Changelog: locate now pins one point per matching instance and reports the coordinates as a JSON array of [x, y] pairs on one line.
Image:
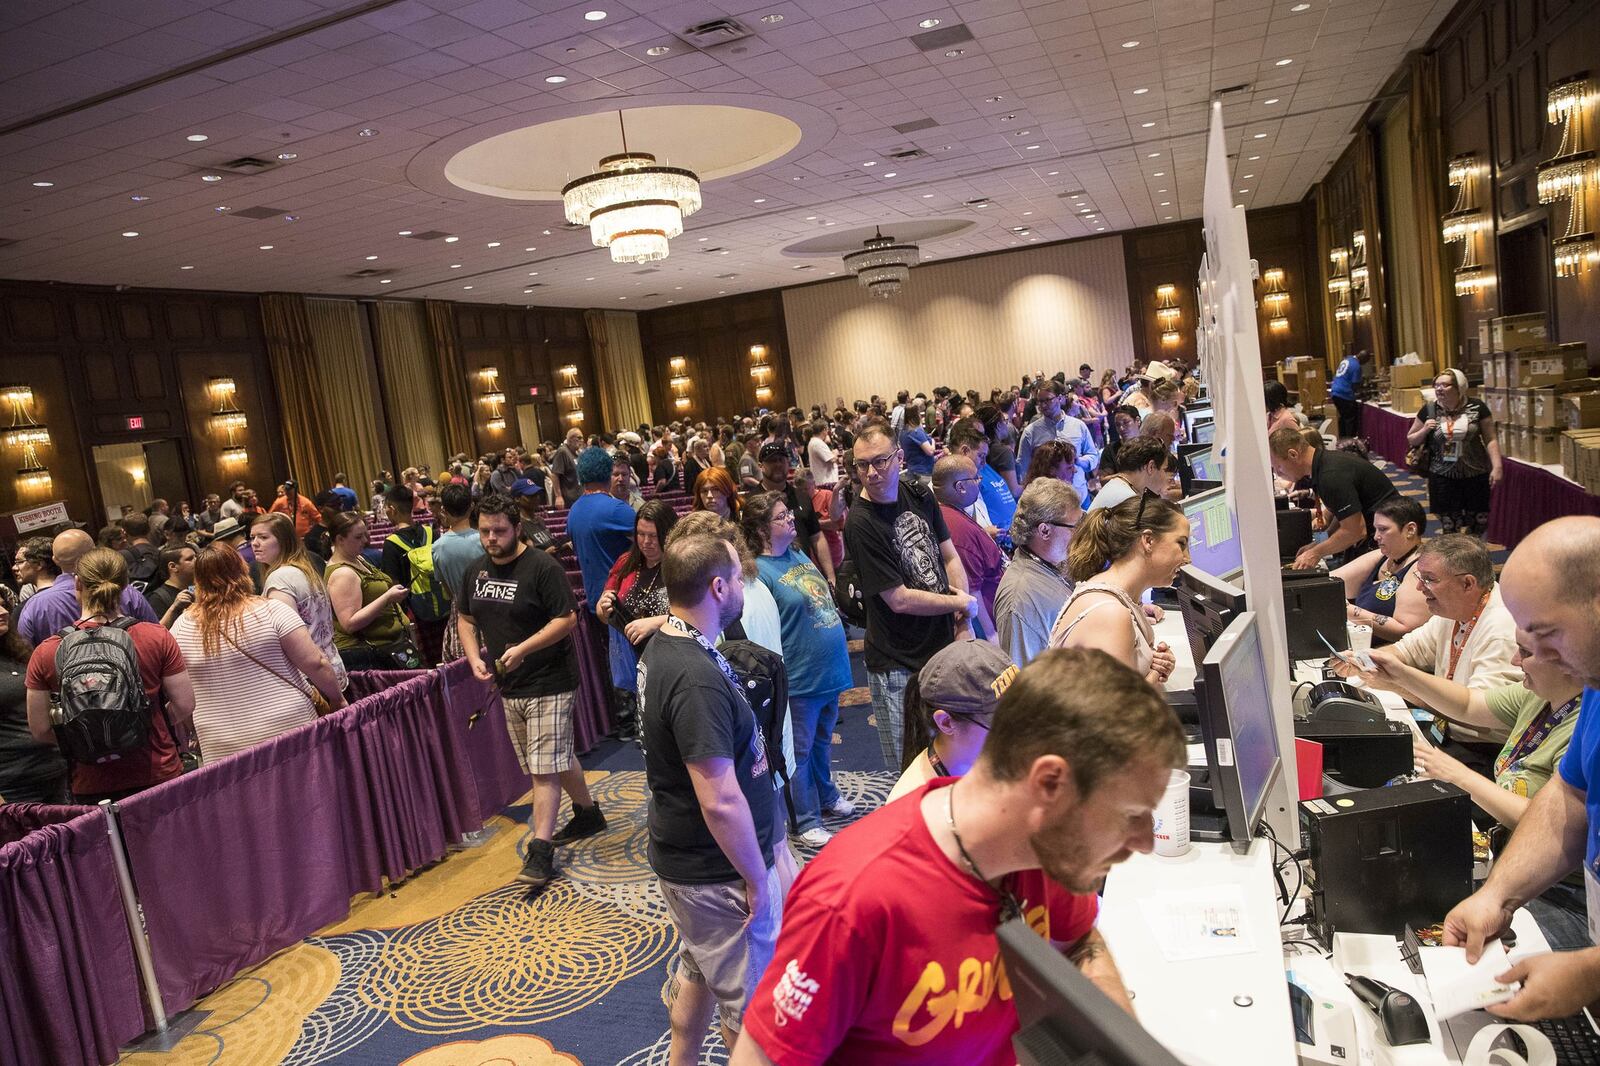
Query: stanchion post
[[135, 917]]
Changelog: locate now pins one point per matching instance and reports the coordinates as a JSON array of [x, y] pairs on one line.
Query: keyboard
[[1574, 1038]]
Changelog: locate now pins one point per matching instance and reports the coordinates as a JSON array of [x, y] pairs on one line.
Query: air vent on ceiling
[[977, 201], [429, 235], [708, 251], [648, 270], [943, 37], [714, 33], [535, 285], [1071, 193], [908, 153], [1242, 87], [249, 165], [369, 272], [725, 277], [259, 212], [914, 125], [6, 242], [649, 295], [806, 266]]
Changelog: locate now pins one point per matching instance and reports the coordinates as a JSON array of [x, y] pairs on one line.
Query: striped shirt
[[237, 704]]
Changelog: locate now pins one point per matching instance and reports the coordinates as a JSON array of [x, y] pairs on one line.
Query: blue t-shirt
[[346, 497], [997, 498], [1581, 763], [1347, 378], [911, 442], [601, 529], [814, 651], [453, 552]]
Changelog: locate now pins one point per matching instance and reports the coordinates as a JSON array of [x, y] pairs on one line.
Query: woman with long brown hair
[[250, 658], [289, 576]]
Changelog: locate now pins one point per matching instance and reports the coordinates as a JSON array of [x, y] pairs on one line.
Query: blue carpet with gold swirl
[[459, 966]]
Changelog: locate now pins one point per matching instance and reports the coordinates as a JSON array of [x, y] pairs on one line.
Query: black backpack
[[100, 710], [766, 687], [847, 594]]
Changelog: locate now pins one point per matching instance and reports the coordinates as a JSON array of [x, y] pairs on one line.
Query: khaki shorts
[[721, 946], [541, 731]]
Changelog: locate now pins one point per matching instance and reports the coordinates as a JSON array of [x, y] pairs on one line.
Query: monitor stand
[[1207, 820]]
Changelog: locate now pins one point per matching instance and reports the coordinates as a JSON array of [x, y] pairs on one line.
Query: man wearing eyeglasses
[[1470, 640], [912, 580], [956, 484]]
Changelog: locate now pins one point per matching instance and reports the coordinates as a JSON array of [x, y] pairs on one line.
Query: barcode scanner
[[1399, 1012]]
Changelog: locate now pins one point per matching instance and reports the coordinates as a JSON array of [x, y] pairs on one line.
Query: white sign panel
[[50, 514]]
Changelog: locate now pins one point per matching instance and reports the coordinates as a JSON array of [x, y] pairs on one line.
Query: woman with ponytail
[[1117, 555]]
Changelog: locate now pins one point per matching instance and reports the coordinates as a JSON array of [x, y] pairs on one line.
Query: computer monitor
[[1204, 432], [1237, 728], [1206, 464], [1208, 605], [1193, 416], [1062, 1018], [1214, 544]]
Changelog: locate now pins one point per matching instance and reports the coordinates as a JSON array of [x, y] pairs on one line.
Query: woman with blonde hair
[[289, 576], [250, 658], [1117, 555]]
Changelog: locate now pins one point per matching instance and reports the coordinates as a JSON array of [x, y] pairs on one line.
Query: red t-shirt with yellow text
[[888, 953]]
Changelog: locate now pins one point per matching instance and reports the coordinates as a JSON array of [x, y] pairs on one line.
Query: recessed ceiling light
[[130, 233], [405, 233], [138, 198], [291, 218], [1051, 173], [1140, 92], [588, 279], [993, 99], [829, 222], [466, 286], [265, 247], [545, 232], [44, 185], [1249, 175], [891, 174], [1007, 118], [220, 208], [1029, 147], [1261, 136], [760, 200], [1301, 7], [657, 50], [770, 19], [1166, 203], [367, 131], [1271, 101], [533, 273], [211, 177], [455, 266], [1146, 125], [492, 244], [1153, 155], [1025, 214], [955, 52], [927, 196], [1168, 217], [526, 291], [286, 156], [530, 249], [1159, 174], [809, 218], [1244, 190], [593, 16], [1087, 211], [928, 24], [1099, 229], [186, 268], [197, 137], [1254, 158], [451, 240], [797, 177], [1130, 44], [386, 281], [1238, 205], [555, 79], [370, 258], [1283, 62], [1161, 190], [869, 163]]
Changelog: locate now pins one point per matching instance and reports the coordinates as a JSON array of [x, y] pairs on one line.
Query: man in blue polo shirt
[[1551, 586]]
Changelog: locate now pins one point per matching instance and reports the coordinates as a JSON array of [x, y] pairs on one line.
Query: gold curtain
[[1332, 335], [450, 379], [1436, 285], [410, 396], [619, 368], [347, 393], [1401, 246], [294, 375], [1367, 175]]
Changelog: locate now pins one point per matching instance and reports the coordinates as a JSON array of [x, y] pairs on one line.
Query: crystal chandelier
[[882, 266], [1568, 176], [631, 205]]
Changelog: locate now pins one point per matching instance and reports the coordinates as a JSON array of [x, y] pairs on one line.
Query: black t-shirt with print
[[898, 544], [510, 602], [689, 712]]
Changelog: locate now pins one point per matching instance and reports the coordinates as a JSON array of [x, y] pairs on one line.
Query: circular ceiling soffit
[[530, 157], [917, 232]]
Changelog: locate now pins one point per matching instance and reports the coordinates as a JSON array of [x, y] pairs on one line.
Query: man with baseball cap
[[774, 461], [1061, 793], [948, 718]]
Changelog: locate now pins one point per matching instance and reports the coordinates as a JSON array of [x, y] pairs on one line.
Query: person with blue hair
[[600, 527]]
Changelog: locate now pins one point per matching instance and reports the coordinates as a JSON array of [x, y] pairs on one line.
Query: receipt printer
[[1338, 701], [1360, 746], [1385, 858]]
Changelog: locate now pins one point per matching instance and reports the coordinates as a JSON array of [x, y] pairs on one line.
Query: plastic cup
[[1360, 638], [1172, 816]]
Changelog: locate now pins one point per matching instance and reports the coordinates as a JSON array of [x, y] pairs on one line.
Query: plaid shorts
[[541, 731]]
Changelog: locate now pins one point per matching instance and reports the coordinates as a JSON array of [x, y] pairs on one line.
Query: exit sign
[[136, 422], [533, 390]]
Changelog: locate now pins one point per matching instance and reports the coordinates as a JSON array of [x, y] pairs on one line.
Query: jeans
[[888, 691], [1562, 916], [811, 785]]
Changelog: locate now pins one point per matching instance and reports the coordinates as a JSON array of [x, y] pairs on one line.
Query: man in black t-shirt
[[911, 578], [712, 821], [775, 469], [173, 596], [520, 602], [1348, 486]]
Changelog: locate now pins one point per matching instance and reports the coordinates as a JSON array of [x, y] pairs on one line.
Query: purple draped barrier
[[70, 990], [479, 719], [1386, 432], [592, 716], [364, 683], [1528, 496]]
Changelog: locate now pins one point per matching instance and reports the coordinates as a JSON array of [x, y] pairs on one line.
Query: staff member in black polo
[[774, 462], [1348, 485]]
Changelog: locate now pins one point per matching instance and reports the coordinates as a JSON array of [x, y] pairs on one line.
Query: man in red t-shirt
[[888, 954], [955, 483]]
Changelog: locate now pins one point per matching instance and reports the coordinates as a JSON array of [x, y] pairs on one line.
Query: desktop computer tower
[[1361, 754], [1294, 532], [1313, 603], [1380, 860]]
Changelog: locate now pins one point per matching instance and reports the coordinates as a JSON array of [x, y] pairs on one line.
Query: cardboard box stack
[[1406, 384], [1580, 457], [1530, 385], [1307, 377]]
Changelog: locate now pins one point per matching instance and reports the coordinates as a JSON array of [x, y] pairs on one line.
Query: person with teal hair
[[600, 527]]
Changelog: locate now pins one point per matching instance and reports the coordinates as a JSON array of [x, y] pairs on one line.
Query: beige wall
[[978, 323]]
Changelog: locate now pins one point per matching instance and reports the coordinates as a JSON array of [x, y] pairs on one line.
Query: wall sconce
[[758, 352], [1364, 308], [229, 421], [1166, 294], [763, 393], [488, 375], [1275, 302], [1568, 175], [1461, 168], [679, 382], [1341, 313], [1471, 280], [1168, 314], [28, 436], [1275, 299], [1170, 337], [493, 398], [226, 418], [235, 455], [1168, 317], [1272, 278], [1278, 325], [677, 363], [681, 403], [759, 371], [221, 389], [569, 372], [137, 473], [574, 392], [496, 424], [575, 416], [1461, 224], [1339, 259]]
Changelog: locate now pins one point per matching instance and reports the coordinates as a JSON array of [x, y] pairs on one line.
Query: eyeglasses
[[880, 464], [1428, 582]]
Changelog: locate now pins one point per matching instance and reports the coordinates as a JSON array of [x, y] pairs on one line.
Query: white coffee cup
[[1360, 637], [1172, 816]]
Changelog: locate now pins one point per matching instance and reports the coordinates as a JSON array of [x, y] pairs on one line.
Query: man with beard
[[1061, 793], [1551, 586], [520, 602], [712, 820]]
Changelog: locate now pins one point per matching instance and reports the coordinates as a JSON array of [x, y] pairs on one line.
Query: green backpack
[[427, 598]]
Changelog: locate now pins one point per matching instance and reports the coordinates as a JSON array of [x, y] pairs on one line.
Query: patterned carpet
[[461, 967]]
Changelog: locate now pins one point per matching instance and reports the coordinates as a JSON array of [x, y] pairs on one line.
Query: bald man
[[956, 484], [1551, 586], [53, 609]]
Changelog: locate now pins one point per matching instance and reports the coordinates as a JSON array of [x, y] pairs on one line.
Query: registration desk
[[1226, 1009]]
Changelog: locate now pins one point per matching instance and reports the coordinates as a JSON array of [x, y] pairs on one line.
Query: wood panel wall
[[96, 357], [714, 337], [528, 346], [1497, 59]]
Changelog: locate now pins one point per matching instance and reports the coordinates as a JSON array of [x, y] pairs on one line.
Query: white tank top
[[1143, 637]]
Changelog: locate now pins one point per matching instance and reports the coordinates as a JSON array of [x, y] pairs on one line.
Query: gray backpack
[[100, 711]]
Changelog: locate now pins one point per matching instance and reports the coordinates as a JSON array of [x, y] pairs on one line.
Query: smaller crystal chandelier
[[882, 266], [632, 205], [1568, 176]]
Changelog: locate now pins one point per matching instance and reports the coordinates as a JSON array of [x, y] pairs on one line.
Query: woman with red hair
[[249, 658], [714, 490]]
